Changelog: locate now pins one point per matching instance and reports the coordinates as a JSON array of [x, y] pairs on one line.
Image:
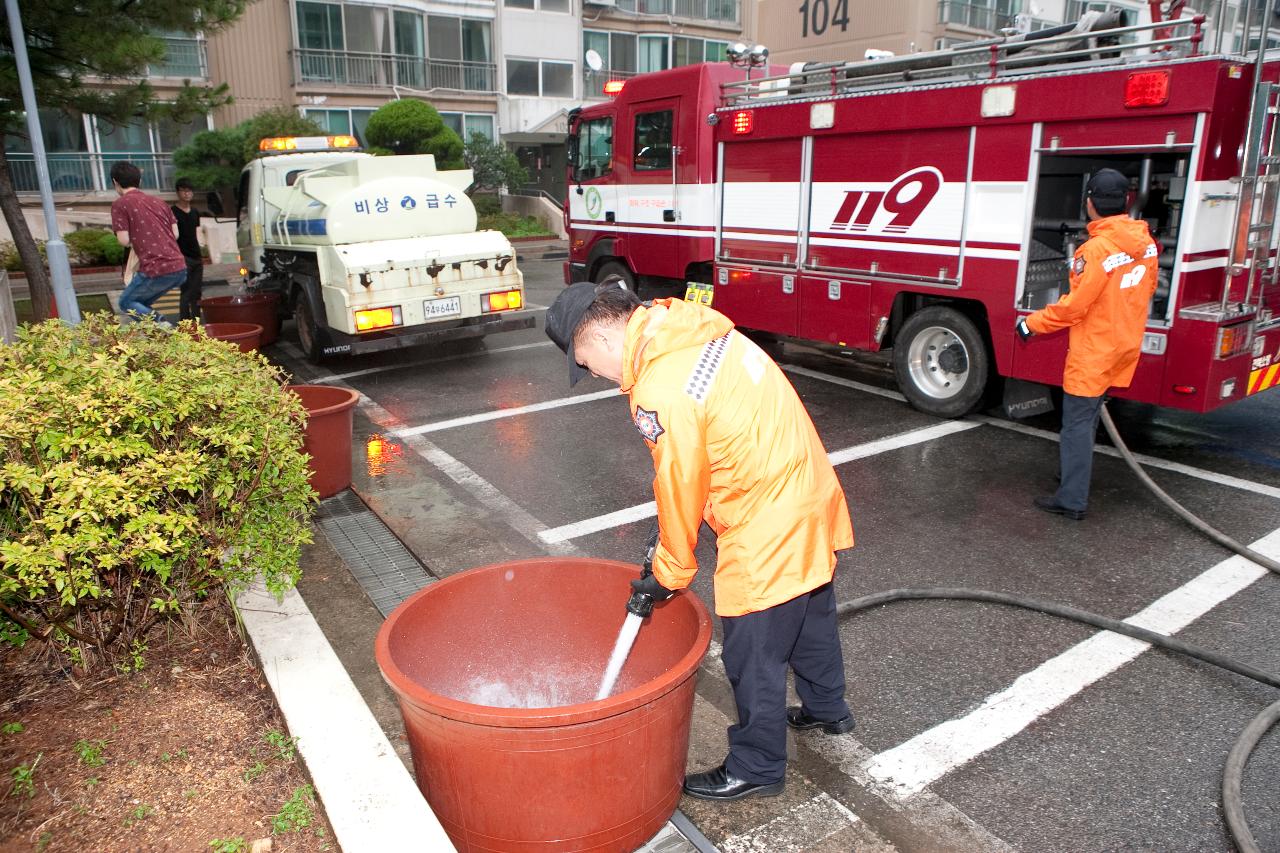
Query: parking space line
[[339, 377], [930, 755], [497, 414], [639, 512], [802, 826], [475, 485], [1149, 461]]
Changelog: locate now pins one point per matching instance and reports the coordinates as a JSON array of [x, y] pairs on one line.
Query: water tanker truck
[[373, 253]]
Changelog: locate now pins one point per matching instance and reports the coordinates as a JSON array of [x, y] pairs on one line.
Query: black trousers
[[1075, 450], [801, 633], [189, 296]]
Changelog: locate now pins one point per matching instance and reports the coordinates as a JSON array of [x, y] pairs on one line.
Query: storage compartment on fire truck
[[1059, 227]]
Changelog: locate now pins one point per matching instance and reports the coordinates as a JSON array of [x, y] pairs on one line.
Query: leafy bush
[[94, 247], [213, 158], [408, 126], [513, 225], [10, 258], [486, 204], [143, 469], [493, 163]]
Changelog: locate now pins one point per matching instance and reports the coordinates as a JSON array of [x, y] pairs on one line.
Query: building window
[[545, 78], [690, 51], [595, 148], [467, 124], [320, 25], [544, 5], [653, 53], [342, 121]]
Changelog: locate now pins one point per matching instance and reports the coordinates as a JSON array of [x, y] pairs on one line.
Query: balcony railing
[[384, 70], [88, 172], [185, 58], [716, 11], [593, 85], [978, 16]]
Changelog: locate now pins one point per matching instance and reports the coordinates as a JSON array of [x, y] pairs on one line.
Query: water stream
[[622, 648]]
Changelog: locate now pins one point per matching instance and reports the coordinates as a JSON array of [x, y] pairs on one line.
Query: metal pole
[[64, 294]]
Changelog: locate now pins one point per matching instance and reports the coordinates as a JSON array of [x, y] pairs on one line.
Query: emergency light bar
[[276, 144], [613, 87]]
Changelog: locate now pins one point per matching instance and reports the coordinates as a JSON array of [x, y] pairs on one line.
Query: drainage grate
[[384, 568]]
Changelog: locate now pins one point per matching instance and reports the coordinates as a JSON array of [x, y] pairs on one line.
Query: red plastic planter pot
[[259, 308], [247, 336], [584, 775], [328, 435]]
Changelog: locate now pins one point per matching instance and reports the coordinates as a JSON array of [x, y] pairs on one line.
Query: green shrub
[[513, 225], [143, 469], [410, 126], [11, 259], [486, 204], [94, 247]]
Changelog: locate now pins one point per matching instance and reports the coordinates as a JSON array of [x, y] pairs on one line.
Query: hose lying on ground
[[1232, 804]]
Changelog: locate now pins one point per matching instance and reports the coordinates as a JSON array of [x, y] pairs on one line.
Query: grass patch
[[90, 303], [513, 225]]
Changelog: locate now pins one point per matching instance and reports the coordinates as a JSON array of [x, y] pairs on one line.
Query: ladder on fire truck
[[1096, 40], [1259, 181]]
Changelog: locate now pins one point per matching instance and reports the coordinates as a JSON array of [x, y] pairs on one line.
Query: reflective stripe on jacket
[[732, 445], [1113, 276]]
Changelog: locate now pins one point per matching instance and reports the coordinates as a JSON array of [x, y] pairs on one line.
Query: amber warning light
[[613, 87], [1147, 89], [273, 144], [743, 121], [503, 300], [369, 319]]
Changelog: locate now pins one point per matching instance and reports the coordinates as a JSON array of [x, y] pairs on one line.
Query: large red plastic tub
[[328, 435], [567, 773], [260, 308], [247, 336]]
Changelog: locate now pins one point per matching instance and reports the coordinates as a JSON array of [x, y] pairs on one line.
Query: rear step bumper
[[341, 343]]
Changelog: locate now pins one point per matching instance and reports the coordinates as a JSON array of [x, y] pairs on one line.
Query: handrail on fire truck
[[1003, 57]]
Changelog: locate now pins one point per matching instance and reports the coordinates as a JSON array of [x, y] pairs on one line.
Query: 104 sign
[[817, 15]]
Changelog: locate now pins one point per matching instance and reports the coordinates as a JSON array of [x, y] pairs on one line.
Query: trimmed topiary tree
[[407, 126], [143, 470]]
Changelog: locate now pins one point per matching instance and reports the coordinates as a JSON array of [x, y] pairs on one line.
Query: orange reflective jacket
[[732, 445], [1113, 276]]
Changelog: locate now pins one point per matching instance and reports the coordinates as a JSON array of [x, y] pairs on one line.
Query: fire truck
[[921, 204]]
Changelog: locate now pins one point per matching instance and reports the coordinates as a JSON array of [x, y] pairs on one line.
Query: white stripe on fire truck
[[920, 249], [911, 766]]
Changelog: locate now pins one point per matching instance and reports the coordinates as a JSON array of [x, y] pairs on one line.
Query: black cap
[[1109, 190], [563, 318]]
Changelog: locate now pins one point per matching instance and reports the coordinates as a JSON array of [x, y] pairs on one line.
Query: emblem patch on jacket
[[647, 423], [1077, 266]]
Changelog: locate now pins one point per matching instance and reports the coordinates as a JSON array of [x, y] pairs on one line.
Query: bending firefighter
[[1113, 276], [732, 446]]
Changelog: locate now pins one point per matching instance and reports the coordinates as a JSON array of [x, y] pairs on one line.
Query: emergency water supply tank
[[370, 199]]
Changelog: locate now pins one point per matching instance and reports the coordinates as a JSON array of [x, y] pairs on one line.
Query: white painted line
[[640, 512], [497, 414], [631, 514], [927, 757], [802, 827], [840, 380], [1149, 461], [339, 377], [371, 801]]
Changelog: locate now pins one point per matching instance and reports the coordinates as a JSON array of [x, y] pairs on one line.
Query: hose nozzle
[[640, 603]]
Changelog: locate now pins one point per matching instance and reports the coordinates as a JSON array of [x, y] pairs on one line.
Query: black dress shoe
[[1050, 505], [720, 784], [799, 720]]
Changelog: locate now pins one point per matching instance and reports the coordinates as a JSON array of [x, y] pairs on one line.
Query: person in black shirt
[[188, 226]]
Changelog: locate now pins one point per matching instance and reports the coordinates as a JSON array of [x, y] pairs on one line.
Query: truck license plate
[[447, 307]]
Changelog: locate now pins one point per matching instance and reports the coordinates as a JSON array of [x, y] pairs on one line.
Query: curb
[[369, 797]]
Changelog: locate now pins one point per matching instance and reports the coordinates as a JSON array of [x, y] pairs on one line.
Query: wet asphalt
[[1131, 762]]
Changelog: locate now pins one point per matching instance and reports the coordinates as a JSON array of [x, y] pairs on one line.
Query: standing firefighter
[[732, 446], [1113, 276]]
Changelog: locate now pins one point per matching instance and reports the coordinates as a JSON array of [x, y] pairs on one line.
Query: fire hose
[[1232, 804]]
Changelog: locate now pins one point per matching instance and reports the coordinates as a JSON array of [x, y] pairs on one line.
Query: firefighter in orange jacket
[[733, 446], [1113, 276]]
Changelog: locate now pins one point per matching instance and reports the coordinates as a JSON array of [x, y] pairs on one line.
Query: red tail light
[[613, 87], [1147, 89], [743, 121]]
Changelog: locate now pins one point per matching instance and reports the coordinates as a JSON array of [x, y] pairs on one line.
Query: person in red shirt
[[146, 225]]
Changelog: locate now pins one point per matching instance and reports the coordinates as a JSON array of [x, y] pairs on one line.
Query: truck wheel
[[619, 269], [941, 362], [306, 324]]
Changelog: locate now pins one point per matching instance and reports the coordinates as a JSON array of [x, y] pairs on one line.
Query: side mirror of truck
[[214, 201]]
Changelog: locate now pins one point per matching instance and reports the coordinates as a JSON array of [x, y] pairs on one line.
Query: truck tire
[[941, 362], [619, 269], [308, 339]]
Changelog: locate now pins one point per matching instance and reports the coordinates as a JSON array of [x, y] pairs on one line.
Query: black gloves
[[1023, 330], [646, 590]]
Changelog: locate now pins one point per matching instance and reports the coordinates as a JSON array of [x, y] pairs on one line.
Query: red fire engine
[[924, 202]]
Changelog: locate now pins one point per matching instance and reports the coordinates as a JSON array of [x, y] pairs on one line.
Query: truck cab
[[372, 253]]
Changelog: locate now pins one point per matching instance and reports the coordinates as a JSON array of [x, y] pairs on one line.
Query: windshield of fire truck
[[595, 148]]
